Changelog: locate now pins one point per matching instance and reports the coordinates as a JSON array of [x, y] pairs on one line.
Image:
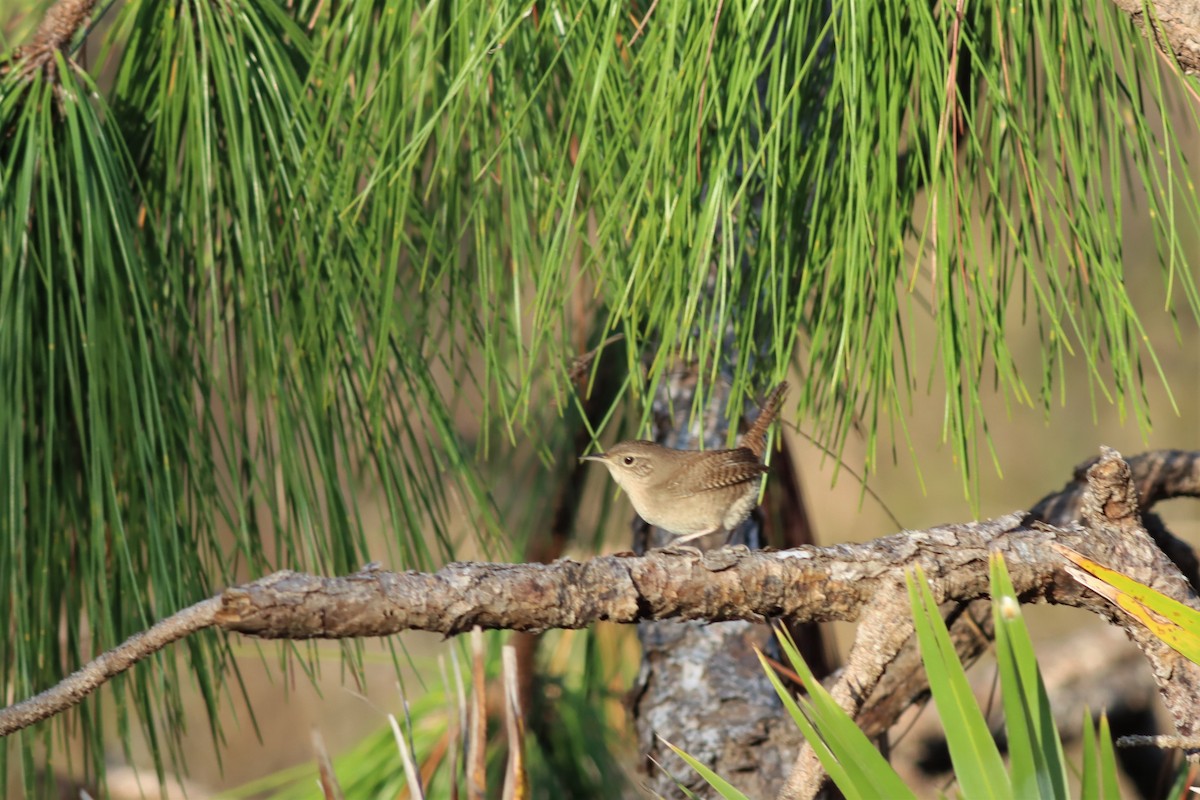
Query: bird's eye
[[628, 460]]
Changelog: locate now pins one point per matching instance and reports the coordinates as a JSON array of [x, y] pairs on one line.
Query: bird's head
[[633, 465]]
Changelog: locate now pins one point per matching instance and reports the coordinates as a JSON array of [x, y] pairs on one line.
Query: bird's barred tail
[[756, 437]]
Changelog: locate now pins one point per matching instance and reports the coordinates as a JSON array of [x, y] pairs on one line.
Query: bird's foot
[[680, 546], [676, 549]]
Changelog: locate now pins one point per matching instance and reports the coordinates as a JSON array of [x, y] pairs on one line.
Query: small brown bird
[[691, 493]]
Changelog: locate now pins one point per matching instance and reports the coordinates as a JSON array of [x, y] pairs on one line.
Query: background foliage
[[258, 254]]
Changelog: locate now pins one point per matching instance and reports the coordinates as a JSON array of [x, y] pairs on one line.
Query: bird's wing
[[716, 469]]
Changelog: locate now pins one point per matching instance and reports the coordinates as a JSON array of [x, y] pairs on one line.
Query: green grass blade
[[978, 765], [723, 787], [1108, 761], [1035, 748], [852, 760]]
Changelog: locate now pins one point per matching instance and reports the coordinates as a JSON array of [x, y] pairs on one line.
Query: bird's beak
[[593, 457]]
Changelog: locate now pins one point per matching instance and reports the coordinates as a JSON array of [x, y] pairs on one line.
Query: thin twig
[[71, 690], [1176, 68], [862, 481], [1169, 742], [642, 24], [583, 363]]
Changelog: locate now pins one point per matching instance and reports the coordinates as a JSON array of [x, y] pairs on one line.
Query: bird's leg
[[691, 537], [680, 546]]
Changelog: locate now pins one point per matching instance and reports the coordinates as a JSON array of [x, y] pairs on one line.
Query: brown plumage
[[756, 438], [691, 493]]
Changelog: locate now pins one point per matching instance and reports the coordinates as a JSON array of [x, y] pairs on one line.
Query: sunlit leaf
[[1178, 625]]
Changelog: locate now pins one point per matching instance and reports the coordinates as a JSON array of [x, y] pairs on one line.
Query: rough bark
[[1174, 25]]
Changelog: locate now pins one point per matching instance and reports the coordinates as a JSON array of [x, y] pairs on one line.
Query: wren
[[692, 493]]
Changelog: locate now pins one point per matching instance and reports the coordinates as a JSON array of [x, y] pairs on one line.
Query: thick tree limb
[[808, 583], [701, 685]]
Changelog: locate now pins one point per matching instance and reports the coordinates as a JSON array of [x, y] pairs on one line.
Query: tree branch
[[71, 690], [806, 583]]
